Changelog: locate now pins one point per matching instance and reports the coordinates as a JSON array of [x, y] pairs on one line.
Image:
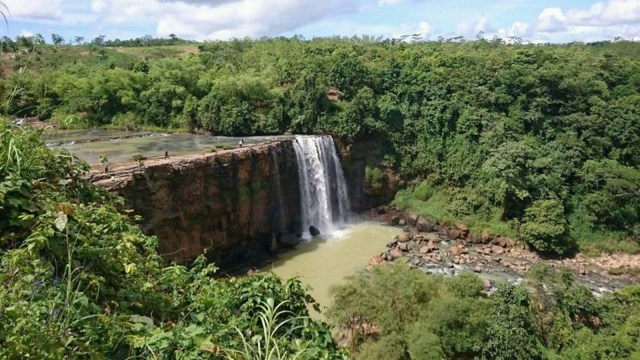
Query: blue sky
[[535, 21]]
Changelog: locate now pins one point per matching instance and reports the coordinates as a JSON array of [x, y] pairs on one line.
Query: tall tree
[[57, 39]]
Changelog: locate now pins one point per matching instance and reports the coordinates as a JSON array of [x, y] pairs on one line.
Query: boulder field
[[449, 249]]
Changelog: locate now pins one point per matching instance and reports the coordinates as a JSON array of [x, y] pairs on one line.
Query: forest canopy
[[538, 140]]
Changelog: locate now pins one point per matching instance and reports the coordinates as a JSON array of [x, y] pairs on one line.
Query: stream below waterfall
[[324, 261]]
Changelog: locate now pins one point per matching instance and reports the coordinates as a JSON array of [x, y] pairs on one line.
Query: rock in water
[[289, 240], [314, 231]]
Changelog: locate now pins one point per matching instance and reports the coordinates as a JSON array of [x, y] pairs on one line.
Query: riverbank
[[450, 249]]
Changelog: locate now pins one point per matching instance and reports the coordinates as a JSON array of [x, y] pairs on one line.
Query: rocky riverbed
[[437, 248]]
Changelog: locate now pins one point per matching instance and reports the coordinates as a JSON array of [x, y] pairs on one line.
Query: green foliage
[[511, 330], [611, 194], [549, 317], [277, 325], [545, 227], [138, 157], [424, 191], [492, 127], [81, 280], [416, 314], [374, 177]]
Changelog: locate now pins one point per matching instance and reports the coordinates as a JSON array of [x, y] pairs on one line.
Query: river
[[322, 262], [119, 146]]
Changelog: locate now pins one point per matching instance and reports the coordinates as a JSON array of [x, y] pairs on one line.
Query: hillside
[[538, 141]]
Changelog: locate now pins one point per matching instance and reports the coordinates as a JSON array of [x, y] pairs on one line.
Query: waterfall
[[323, 189], [276, 179]]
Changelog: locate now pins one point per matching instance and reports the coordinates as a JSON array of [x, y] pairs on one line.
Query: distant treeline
[[29, 42]]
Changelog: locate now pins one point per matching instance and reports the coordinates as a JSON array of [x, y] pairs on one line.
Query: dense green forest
[[399, 314], [536, 141], [79, 280]]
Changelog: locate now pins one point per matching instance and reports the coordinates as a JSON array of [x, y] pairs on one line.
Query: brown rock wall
[[226, 202]]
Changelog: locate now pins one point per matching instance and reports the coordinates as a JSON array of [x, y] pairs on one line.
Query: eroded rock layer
[[226, 201]]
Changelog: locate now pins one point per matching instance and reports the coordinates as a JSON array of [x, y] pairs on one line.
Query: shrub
[[374, 177], [69, 121], [126, 121], [512, 335], [424, 191], [450, 313], [138, 157], [545, 227]]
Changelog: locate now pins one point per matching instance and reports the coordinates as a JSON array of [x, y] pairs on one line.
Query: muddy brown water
[[325, 261]]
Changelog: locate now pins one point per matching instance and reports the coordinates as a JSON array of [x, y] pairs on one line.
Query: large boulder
[[497, 249], [428, 248], [412, 219], [424, 225], [395, 253], [453, 233], [464, 229], [314, 231], [289, 240], [485, 237], [458, 250], [404, 237], [376, 260]]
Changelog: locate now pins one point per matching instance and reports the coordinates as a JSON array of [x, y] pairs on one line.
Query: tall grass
[[271, 343]]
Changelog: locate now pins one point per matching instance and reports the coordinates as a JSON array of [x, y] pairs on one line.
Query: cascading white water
[[323, 190]]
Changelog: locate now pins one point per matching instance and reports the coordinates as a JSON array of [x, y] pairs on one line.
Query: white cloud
[[600, 21], [471, 29], [517, 30], [222, 19], [26, 33], [551, 20], [347, 28], [34, 9], [389, 2], [614, 12]]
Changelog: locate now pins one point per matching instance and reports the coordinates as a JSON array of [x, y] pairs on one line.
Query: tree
[[512, 335], [57, 39], [98, 40], [545, 227], [506, 170], [39, 39], [78, 40], [25, 41]]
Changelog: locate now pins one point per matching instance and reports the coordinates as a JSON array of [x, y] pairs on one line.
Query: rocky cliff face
[[355, 159], [226, 201]]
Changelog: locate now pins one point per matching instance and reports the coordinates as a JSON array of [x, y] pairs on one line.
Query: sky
[[532, 21]]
